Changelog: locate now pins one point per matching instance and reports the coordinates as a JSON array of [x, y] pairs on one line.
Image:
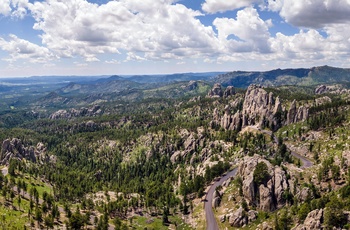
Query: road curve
[[306, 163], [211, 221], [210, 218]]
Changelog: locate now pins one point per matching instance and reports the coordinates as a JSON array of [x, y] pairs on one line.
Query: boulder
[[312, 221], [252, 215], [216, 202], [222, 218], [266, 226], [238, 218]]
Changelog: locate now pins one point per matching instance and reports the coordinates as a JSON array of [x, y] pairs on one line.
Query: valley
[[238, 150]]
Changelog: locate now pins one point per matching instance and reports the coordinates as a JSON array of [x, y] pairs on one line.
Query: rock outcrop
[[216, 202], [83, 112], [229, 91], [270, 194], [259, 108], [16, 149], [312, 221], [323, 100], [241, 217], [238, 218], [192, 85], [216, 91], [331, 89], [321, 89], [296, 114]]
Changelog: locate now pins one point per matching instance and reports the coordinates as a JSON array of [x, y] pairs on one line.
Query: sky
[[125, 37]]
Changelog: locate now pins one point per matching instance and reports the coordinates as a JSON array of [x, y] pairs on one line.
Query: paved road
[[306, 163], [211, 222], [210, 218]]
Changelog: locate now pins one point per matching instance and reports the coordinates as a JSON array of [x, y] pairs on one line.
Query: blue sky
[[52, 37]]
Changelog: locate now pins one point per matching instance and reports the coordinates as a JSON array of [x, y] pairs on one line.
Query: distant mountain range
[[54, 91], [304, 77]]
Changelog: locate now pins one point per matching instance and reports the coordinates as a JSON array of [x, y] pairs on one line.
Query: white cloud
[[19, 8], [113, 61], [22, 49], [315, 13], [251, 32], [5, 8], [165, 30], [274, 5], [214, 6], [299, 46], [155, 27], [133, 57], [14, 8]]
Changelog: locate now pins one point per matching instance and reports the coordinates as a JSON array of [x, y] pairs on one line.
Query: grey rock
[[270, 194], [82, 112], [292, 112], [266, 202], [222, 218], [192, 85], [216, 91], [230, 91], [238, 218], [312, 221], [321, 89], [322, 100], [16, 149], [216, 202], [252, 215]]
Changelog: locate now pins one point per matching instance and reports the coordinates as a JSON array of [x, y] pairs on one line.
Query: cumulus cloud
[[166, 30], [250, 31], [315, 13], [14, 8], [214, 6], [5, 8], [22, 49], [156, 27]]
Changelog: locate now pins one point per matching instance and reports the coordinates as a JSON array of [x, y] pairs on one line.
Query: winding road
[[211, 222], [209, 214]]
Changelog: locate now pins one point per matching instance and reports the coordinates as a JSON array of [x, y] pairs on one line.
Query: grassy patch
[[11, 217], [151, 223]]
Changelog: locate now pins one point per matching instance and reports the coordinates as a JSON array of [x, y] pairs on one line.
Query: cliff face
[[296, 114], [269, 196], [260, 109], [16, 149], [217, 91]]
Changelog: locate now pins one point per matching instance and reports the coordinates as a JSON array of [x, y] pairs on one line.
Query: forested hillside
[[148, 161]]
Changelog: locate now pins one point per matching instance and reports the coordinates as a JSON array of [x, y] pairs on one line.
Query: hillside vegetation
[[104, 159]]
